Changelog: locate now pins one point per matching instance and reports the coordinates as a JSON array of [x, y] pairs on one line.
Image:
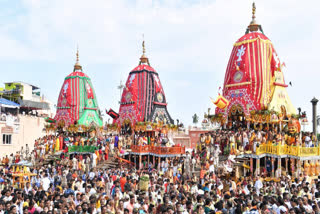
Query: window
[[6, 139]]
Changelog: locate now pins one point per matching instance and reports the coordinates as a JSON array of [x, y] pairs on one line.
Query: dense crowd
[[242, 140], [193, 183]]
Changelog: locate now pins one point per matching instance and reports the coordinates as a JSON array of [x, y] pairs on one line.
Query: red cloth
[[166, 185], [252, 64], [61, 142], [123, 181]]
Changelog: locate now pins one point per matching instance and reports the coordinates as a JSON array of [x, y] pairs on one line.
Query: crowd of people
[[244, 140], [190, 184]]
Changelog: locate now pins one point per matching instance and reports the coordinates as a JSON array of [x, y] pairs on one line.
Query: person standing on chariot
[[17, 158], [120, 145], [251, 141], [57, 145], [129, 142], [314, 140], [61, 142], [245, 140], [232, 140]]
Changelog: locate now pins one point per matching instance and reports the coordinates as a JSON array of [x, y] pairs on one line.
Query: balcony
[[288, 150]]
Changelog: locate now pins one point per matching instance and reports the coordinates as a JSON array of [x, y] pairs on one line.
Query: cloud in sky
[[188, 43]]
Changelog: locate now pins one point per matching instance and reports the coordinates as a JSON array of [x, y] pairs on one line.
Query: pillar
[[258, 167], [135, 160], [314, 102], [140, 164], [154, 161], [148, 160], [167, 161], [279, 166], [286, 165], [292, 166], [251, 166], [159, 159], [272, 167]]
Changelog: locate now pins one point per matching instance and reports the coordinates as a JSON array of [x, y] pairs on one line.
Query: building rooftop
[[24, 83]]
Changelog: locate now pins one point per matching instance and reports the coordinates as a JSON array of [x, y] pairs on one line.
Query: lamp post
[[314, 102]]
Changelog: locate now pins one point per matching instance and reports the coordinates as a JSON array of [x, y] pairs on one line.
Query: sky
[[188, 43]]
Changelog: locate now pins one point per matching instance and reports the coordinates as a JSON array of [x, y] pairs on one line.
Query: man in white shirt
[[7, 196], [194, 188], [46, 182], [92, 175], [308, 141], [211, 167], [193, 161], [94, 160], [258, 185], [27, 188], [92, 191]]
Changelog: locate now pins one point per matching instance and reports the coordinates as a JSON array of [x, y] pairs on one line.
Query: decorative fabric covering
[[50, 120], [112, 114], [143, 98], [77, 102], [253, 75], [81, 149]]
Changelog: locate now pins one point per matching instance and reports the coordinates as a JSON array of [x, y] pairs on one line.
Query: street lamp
[[314, 102]]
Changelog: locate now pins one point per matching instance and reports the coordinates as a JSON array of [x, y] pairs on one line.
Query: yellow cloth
[[98, 204], [57, 144]]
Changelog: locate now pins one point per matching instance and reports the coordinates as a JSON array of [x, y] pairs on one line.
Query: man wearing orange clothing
[[202, 174], [123, 181]]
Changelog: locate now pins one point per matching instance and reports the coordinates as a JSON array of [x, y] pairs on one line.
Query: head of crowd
[[189, 184]]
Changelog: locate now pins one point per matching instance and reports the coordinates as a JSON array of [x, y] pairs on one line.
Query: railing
[[140, 149], [288, 150], [82, 149], [159, 150]]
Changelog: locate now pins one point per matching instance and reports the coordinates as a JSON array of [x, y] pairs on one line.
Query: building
[[28, 96], [19, 131], [22, 112]]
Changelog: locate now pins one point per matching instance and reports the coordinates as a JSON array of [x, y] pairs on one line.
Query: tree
[[195, 119]]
